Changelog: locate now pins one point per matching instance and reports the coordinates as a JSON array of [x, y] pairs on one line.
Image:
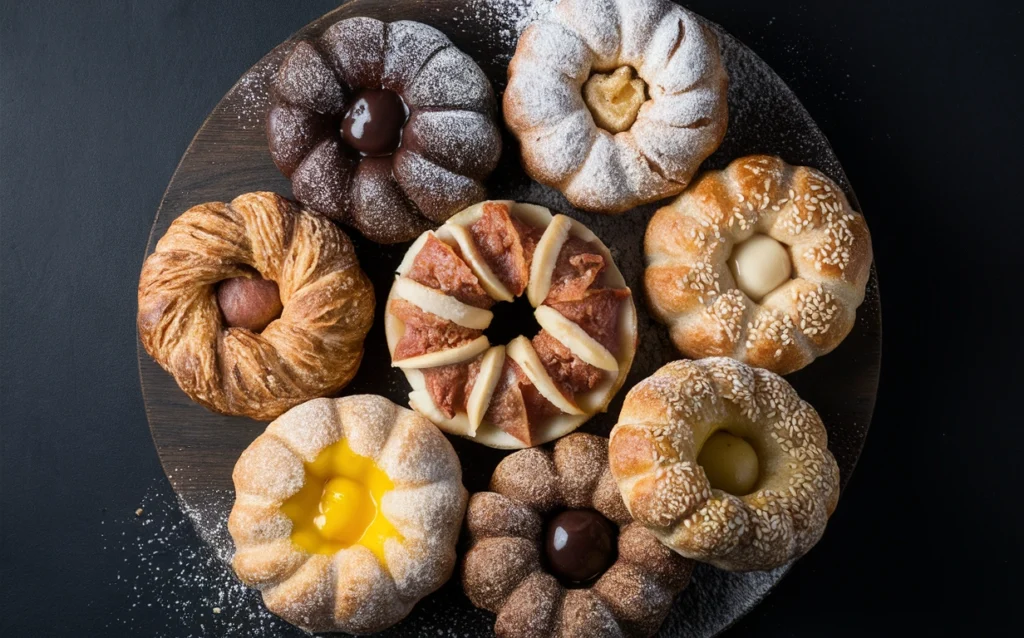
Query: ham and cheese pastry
[[530, 390]]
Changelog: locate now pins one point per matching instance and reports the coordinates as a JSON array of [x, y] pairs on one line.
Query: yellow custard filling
[[339, 504]]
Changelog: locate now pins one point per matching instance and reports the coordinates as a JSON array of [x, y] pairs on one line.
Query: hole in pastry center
[[339, 504], [614, 99], [511, 320], [760, 265], [730, 463], [579, 545], [249, 302], [373, 123]]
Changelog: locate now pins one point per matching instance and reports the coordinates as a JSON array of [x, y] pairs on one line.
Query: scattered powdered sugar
[[504, 19], [168, 574], [252, 96]]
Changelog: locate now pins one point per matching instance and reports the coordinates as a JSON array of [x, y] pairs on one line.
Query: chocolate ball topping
[[580, 545], [250, 303], [373, 124]]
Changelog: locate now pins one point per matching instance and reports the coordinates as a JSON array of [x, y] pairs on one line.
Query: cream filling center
[[730, 463], [760, 265], [615, 99]]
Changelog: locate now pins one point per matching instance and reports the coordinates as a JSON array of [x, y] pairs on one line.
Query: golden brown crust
[[312, 350], [653, 456], [503, 573], [690, 287], [682, 120], [350, 591]]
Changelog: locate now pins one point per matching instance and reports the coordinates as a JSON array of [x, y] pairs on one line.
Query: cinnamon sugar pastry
[[763, 262], [384, 126], [346, 513], [531, 390], [210, 293], [616, 102], [555, 553], [725, 464]]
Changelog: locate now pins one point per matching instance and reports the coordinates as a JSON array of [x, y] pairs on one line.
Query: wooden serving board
[[229, 156]]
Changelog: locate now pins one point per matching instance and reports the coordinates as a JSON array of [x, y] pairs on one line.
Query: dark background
[[921, 100]]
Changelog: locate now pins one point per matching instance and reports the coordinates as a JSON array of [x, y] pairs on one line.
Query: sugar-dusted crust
[[502, 571], [681, 123], [450, 142], [312, 350], [614, 366], [350, 591], [689, 286], [653, 455]]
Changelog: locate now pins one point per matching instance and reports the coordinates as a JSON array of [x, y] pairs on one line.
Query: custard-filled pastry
[[451, 284], [616, 102], [346, 513], [763, 262], [725, 464], [384, 126], [254, 306], [555, 553]]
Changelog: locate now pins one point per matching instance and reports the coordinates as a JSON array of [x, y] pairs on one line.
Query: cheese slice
[[445, 357], [576, 339], [545, 257], [445, 306], [521, 351], [476, 261], [486, 380]]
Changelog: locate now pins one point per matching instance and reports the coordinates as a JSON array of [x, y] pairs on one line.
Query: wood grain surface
[[228, 156]]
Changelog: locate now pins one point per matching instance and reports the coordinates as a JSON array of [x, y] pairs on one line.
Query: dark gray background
[[921, 100]]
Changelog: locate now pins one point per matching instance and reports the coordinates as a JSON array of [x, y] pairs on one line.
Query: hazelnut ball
[[249, 302]]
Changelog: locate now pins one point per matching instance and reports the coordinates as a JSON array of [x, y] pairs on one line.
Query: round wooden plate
[[229, 156]]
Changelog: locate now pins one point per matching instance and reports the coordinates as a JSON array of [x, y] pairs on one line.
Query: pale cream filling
[[760, 265]]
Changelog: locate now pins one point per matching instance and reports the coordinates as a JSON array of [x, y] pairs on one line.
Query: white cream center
[[730, 463], [760, 265]]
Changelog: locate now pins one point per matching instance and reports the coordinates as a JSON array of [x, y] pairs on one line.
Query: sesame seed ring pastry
[[616, 102], [346, 513], [254, 306], [763, 262], [384, 126], [529, 391], [725, 464], [555, 553]]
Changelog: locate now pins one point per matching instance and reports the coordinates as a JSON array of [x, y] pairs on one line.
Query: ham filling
[[571, 374], [426, 332], [597, 313], [516, 405], [449, 386], [499, 244], [438, 266], [576, 269], [529, 236]]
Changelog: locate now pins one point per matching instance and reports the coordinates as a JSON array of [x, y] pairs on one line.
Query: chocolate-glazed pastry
[[384, 126], [616, 581]]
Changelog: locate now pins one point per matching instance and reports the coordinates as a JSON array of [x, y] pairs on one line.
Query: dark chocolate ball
[[373, 124], [250, 303], [580, 545]]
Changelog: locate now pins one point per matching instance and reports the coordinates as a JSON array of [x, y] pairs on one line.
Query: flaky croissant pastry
[[326, 305]]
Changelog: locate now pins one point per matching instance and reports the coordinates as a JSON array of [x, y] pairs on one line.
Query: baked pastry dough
[[346, 513], [796, 211], [510, 570], [384, 126], [527, 392], [312, 350], [656, 454], [616, 102]]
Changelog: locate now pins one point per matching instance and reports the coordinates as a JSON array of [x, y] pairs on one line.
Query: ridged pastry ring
[[681, 120], [313, 349], [351, 590], [689, 284], [653, 454], [504, 572]]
